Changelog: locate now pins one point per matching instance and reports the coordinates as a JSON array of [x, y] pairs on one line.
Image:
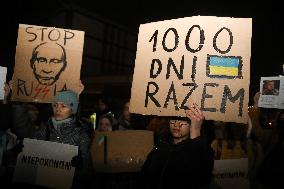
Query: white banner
[[45, 163], [3, 73], [231, 173]]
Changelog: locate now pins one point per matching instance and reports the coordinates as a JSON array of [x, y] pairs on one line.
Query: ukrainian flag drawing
[[224, 66]]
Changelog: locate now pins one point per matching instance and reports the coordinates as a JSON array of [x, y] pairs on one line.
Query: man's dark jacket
[[188, 164]]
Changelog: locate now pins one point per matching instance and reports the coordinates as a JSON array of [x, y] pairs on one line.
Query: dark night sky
[[267, 39]]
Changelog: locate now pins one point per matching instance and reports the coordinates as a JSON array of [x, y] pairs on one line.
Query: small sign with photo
[[271, 92]]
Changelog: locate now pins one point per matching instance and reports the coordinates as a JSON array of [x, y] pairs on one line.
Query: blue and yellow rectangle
[[224, 67]]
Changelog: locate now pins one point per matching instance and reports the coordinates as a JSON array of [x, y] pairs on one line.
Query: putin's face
[[48, 61]]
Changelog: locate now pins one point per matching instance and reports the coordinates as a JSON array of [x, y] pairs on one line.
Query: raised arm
[[196, 116]]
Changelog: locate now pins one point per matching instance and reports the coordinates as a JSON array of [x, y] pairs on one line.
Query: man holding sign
[[204, 61], [182, 159]]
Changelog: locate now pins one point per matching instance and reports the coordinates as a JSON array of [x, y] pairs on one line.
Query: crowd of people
[[184, 150]]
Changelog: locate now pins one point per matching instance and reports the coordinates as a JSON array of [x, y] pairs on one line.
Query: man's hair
[[268, 81], [179, 118], [35, 52]]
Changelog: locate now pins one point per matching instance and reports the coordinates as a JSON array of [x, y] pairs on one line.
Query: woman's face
[[61, 111], [33, 112], [105, 125], [180, 129]]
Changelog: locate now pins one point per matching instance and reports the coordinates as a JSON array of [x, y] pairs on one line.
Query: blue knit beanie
[[69, 98]]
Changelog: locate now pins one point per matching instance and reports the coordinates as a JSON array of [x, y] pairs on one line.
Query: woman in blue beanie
[[64, 127]]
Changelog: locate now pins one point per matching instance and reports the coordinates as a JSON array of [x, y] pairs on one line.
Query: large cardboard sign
[[3, 73], [45, 163], [198, 59], [271, 92], [48, 60], [231, 173], [121, 151]]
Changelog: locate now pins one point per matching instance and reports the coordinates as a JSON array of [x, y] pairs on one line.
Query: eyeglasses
[[180, 122]]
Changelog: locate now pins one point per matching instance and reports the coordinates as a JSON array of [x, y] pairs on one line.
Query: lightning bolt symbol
[[39, 90]]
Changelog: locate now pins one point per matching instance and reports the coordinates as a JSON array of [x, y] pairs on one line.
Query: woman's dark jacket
[[73, 133]]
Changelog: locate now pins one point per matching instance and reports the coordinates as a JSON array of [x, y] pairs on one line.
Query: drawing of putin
[[48, 62]]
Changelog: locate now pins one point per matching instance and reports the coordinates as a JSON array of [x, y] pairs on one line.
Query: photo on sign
[[271, 92], [270, 87]]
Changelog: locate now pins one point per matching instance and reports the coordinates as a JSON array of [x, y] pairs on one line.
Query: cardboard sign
[[231, 173], [48, 60], [271, 92], [3, 73], [45, 163], [199, 59], [121, 151]]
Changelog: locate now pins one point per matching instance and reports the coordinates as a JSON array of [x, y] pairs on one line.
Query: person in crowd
[[262, 138], [27, 117], [182, 158], [5, 110], [9, 143], [124, 121], [159, 126], [103, 107], [271, 170], [129, 121], [65, 127], [106, 122], [35, 116], [231, 141]]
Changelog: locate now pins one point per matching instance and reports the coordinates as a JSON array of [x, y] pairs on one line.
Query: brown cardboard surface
[[124, 151], [225, 40], [48, 60]]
